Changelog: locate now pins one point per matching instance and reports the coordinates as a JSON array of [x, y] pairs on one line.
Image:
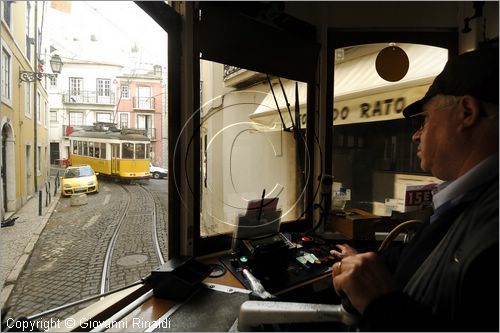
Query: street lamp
[[55, 64]]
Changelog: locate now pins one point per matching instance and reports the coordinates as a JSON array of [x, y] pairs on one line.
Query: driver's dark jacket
[[453, 299]]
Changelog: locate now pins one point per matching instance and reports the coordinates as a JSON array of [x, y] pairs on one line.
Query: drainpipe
[[35, 120]]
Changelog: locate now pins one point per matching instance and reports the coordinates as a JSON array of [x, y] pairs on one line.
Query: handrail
[[255, 313]]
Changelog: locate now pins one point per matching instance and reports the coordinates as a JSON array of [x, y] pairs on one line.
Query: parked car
[[157, 172], [79, 179]]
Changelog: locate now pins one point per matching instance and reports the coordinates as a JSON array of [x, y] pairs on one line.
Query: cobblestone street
[[67, 261]]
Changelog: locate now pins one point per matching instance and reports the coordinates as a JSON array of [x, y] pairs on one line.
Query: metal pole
[[56, 183], [40, 203], [47, 193]]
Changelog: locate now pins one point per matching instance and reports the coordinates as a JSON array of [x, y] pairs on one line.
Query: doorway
[[7, 169], [54, 152], [115, 156]]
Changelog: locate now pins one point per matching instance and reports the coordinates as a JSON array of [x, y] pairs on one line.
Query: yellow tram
[[123, 154]]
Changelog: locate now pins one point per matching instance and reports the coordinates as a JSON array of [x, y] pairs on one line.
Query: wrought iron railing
[[88, 97], [150, 132], [145, 103], [229, 70]]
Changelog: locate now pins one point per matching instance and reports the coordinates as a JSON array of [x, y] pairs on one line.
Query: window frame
[[120, 122], [71, 117], [7, 20], [98, 114], [39, 160], [53, 81], [46, 113], [124, 95], [38, 107], [51, 118], [6, 80], [28, 48], [75, 86], [27, 100]]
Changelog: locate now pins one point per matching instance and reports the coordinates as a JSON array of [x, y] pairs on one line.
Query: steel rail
[[109, 251], [156, 244]]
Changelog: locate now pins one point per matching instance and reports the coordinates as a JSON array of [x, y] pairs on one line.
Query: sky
[[107, 31]]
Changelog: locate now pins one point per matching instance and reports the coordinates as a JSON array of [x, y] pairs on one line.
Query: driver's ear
[[469, 111]]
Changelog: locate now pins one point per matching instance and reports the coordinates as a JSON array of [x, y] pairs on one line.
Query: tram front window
[[250, 149]]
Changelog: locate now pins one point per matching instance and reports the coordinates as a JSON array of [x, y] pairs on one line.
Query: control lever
[[257, 287]]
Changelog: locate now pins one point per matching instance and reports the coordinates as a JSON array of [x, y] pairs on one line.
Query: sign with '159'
[[418, 196]]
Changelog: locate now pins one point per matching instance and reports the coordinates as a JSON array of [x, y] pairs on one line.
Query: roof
[[110, 135]]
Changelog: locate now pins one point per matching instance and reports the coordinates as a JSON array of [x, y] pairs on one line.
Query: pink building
[[140, 105]]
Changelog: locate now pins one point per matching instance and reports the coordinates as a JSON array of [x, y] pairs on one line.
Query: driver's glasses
[[418, 121]]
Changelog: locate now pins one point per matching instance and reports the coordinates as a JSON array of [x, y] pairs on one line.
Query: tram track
[[127, 261]]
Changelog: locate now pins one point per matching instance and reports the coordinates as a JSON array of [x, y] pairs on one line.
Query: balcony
[[144, 103], [149, 132], [241, 78], [89, 97]]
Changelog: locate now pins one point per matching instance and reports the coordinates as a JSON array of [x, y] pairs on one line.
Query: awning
[[360, 94]]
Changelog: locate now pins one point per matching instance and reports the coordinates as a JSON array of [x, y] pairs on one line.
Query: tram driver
[[446, 277]]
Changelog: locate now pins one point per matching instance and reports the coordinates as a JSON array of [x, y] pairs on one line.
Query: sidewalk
[[17, 241]]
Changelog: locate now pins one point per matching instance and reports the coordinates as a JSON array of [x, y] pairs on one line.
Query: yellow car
[[79, 179]]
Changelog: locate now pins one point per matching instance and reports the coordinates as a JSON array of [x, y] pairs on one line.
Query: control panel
[[281, 261]]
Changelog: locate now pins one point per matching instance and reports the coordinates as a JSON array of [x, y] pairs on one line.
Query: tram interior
[[235, 146]]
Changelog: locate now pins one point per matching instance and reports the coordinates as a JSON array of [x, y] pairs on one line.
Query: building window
[[103, 117], [144, 100], [6, 77], [46, 158], [123, 120], [29, 166], [38, 107], [53, 116], [103, 91], [28, 30], [75, 118], [53, 81], [7, 13], [27, 99], [75, 86], [125, 92], [39, 159], [46, 113], [103, 87]]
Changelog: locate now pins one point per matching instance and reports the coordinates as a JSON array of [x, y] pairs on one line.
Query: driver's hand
[[361, 278], [345, 251]]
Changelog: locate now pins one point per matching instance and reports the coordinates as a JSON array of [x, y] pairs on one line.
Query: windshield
[[78, 172]]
